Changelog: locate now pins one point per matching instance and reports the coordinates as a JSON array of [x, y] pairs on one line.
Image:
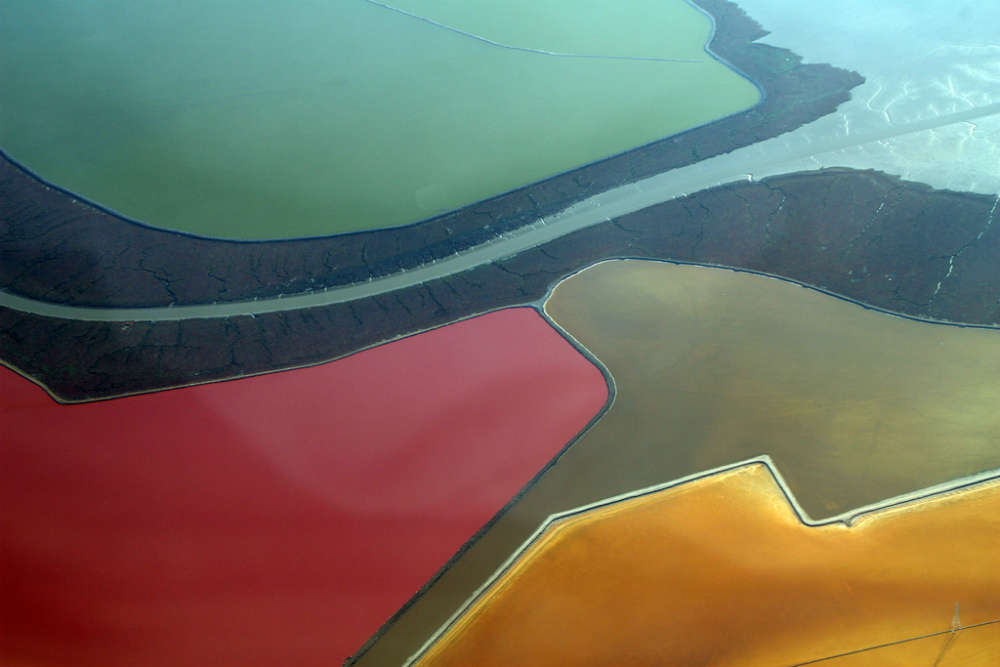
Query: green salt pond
[[261, 120]]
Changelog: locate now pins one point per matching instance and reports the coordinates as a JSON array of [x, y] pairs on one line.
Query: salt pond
[[257, 120]]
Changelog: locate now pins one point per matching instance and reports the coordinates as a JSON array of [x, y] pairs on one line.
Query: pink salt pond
[[279, 519]]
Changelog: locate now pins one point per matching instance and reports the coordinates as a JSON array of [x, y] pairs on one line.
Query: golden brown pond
[[713, 367], [720, 571]]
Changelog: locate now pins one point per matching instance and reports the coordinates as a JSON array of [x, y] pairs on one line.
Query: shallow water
[[714, 366], [255, 120]]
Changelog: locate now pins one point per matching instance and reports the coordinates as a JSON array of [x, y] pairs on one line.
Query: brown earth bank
[[860, 234], [56, 248]]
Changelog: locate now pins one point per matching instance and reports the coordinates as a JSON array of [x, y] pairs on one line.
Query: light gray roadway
[[739, 165]]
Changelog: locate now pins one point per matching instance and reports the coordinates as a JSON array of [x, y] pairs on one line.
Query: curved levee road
[[600, 208]]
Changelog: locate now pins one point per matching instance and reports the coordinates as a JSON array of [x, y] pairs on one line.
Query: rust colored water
[[714, 366], [273, 520], [720, 571]]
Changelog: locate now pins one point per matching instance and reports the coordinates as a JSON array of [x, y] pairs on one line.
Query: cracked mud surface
[[57, 249]]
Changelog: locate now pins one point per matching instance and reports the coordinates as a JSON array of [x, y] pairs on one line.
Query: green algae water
[[264, 120]]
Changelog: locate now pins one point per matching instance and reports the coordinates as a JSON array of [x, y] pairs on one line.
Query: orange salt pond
[[967, 647], [712, 367], [722, 571]]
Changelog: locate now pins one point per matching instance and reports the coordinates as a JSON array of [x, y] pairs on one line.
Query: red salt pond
[[272, 520]]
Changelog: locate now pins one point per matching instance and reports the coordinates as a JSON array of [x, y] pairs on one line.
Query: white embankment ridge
[[528, 49], [608, 205], [847, 518]]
